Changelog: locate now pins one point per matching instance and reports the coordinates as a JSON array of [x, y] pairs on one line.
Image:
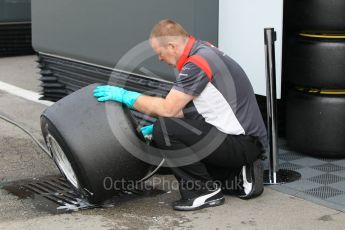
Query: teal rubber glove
[[114, 93], [147, 131]]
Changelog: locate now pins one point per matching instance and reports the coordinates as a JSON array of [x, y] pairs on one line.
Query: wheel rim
[[62, 162]]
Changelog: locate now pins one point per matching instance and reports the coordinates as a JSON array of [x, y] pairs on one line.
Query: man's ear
[[172, 45]]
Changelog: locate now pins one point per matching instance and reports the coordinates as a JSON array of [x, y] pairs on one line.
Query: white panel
[[241, 36]]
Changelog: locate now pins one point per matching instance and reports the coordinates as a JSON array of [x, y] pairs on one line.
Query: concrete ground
[[20, 158]]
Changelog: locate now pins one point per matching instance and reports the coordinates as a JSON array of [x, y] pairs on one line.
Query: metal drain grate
[[53, 194], [59, 191]]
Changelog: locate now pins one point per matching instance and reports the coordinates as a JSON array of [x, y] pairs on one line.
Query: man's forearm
[[156, 106]]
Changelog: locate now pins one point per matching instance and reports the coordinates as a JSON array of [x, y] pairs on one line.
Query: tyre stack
[[314, 69]]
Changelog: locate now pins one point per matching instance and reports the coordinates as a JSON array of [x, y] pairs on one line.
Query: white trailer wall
[[241, 35]]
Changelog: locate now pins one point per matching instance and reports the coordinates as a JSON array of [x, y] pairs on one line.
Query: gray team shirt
[[224, 96]]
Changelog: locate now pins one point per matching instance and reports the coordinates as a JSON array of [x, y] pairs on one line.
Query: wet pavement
[[21, 159]]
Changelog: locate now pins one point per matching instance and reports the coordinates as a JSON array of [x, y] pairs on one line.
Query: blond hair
[[167, 29]]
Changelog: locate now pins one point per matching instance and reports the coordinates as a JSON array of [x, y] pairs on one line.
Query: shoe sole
[[208, 204], [258, 187]]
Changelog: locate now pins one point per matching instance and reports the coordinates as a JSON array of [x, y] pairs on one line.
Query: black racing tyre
[[315, 123], [78, 133], [315, 15], [315, 62]]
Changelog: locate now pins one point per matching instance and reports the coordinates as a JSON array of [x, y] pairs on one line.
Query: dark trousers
[[213, 157]]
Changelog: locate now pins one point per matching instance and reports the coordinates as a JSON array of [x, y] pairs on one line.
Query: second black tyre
[[315, 63]]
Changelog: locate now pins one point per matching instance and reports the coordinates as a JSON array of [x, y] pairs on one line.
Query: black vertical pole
[[275, 175], [271, 95]]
